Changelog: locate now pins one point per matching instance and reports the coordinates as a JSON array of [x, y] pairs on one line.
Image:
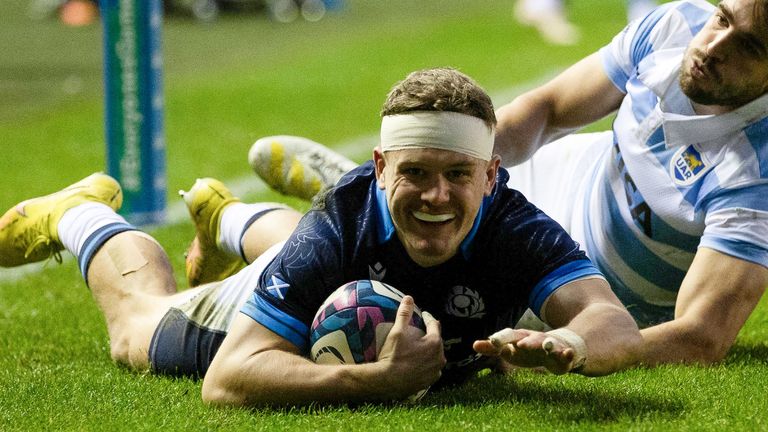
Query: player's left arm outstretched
[[594, 334], [715, 299]]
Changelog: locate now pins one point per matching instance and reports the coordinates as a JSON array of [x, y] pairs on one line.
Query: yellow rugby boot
[[297, 166], [205, 260], [29, 230]]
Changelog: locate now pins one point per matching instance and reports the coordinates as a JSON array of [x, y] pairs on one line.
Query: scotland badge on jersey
[[688, 165], [277, 287]]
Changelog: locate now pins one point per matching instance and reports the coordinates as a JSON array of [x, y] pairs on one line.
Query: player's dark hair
[[440, 89]]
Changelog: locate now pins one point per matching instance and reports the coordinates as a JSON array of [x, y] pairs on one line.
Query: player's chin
[[435, 252]]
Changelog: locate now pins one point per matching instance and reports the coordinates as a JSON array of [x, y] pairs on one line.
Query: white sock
[[235, 220], [79, 222]]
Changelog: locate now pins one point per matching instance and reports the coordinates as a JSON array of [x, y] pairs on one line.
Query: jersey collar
[[681, 127], [684, 130]]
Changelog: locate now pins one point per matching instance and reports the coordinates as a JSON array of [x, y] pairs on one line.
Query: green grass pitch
[[244, 77]]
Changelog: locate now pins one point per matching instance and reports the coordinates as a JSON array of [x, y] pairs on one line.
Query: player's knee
[[130, 355], [119, 350]]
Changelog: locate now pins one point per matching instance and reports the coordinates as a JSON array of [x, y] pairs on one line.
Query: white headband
[[444, 130]]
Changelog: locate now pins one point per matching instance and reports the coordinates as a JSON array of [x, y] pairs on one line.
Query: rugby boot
[[297, 166], [29, 230], [206, 261]]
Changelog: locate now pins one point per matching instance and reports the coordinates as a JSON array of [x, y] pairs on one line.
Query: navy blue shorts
[[181, 347], [190, 333]]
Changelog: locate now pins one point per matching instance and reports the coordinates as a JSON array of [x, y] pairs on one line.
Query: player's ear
[[490, 173], [379, 163]]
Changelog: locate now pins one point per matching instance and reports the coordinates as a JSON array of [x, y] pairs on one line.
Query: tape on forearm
[[575, 341]]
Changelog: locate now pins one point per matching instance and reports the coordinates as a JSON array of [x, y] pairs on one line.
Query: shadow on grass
[[568, 403], [599, 401], [748, 354]]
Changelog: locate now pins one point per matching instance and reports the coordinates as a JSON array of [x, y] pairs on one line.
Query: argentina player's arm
[[584, 93], [577, 97], [726, 278], [715, 299]]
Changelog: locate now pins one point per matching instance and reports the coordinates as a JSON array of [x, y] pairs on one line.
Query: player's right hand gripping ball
[[353, 323]]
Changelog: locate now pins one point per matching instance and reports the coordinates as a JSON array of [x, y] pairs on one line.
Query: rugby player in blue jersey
[[430, 214], [670, 205]]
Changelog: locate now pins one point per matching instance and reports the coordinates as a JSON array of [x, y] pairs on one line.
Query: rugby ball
[[353, 323]]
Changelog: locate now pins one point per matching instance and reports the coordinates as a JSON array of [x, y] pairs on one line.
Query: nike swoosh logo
[[20, 209]]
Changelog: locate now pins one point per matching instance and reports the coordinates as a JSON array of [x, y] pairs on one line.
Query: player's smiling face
[[433, 197], [726, 64]]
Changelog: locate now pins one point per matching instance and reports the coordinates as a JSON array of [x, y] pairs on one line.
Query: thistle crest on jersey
[[688, 165], [465, 302]]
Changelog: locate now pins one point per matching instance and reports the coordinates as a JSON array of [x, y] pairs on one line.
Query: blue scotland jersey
[[673, 181], [513, 258]]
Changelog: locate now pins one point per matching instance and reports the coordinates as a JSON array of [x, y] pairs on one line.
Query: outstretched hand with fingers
[[528, 348], [414, 360]]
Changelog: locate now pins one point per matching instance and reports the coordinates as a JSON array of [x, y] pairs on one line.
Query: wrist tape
[[575, 341]]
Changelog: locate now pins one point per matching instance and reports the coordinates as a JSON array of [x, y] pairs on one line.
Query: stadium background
[[228, 83]]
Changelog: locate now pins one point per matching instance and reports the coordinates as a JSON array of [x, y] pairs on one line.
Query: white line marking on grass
[[358, 148]]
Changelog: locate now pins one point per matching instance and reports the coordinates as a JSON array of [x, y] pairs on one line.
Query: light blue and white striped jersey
[[673, 181]]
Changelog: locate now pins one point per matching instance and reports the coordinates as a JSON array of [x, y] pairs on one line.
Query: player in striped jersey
[[669, 204]]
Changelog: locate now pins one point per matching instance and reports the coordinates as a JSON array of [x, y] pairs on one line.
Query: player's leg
[[248, 230], [297, 166], [29, 230], [190, 332], [554, 178], [132, 282], [152, 326], [229, 233], [270, 228], [127, 271]]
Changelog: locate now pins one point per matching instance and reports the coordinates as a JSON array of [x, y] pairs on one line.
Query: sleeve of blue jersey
[[611, 65], [736, 222], [562, 275], [277, 321]]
